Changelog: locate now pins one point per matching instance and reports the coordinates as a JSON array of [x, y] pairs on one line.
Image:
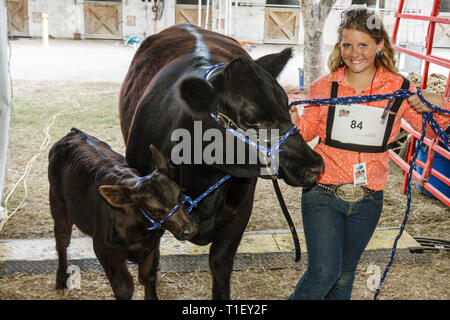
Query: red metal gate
[[433, 146]]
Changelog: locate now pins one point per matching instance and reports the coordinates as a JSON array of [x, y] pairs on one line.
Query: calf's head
[[246, 91], [155, 194]]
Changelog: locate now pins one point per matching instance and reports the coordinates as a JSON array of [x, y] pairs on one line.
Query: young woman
[[341, 212]]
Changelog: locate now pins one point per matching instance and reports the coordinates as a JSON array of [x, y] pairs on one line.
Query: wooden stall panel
[[189, 14], [103, 20], [18, 17], [281, 26]]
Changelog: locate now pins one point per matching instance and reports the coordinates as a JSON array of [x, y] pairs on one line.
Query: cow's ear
[[163, 165], [274, 63], [238, 68], [240, 63], [199, 96], [117, 196]]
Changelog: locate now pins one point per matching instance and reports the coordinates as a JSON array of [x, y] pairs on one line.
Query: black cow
[[92, 187], [164, 90]]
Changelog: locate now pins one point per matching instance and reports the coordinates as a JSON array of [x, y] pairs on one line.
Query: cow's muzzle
[[189, 231]]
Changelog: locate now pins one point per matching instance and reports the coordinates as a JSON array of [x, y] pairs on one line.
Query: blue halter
[[269, 153], [157, 225]]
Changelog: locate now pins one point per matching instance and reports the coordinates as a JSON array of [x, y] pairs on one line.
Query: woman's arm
[[433, 98]]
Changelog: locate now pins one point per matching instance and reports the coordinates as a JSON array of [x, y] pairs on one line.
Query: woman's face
[[359, 50]]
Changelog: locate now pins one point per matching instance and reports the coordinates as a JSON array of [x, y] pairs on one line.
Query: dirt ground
[[96, 114]]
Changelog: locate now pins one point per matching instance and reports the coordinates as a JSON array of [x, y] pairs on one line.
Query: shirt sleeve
[[414, 118], [308, 121]]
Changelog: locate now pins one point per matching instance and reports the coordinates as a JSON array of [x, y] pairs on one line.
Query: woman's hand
[[293, 111], [419, 106]]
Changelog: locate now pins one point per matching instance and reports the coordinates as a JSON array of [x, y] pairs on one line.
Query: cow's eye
[[157, 212], [250, 121]]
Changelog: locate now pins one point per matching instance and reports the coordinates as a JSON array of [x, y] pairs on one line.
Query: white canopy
[[5, 97]]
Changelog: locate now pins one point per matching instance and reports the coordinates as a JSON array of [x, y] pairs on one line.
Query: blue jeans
[[336, 233]]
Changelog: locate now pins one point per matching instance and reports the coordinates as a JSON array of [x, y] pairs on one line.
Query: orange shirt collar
[[380, 80]]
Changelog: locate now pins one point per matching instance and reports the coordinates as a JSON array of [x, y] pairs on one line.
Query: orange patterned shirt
[[339, 163]]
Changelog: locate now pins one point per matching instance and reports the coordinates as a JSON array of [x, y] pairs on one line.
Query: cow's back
[[78, 165], [161, 49]]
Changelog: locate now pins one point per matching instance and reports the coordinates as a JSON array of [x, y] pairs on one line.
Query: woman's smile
[[359, 50]]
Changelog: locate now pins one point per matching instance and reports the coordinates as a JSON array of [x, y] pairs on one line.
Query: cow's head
[[246, 91], [156, 194]]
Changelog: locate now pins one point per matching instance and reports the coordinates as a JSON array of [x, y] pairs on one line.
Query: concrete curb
[[268, 249]]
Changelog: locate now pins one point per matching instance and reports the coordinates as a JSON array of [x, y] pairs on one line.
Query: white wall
[[66, 17], [143, 16], [250, 23]]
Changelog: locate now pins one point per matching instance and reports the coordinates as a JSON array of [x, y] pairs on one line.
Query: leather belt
[[348, 192]]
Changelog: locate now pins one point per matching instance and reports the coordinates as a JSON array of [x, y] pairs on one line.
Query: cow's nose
[[314, 173], [189, 231]]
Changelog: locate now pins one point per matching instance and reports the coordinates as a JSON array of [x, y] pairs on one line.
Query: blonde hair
[[364, 20]]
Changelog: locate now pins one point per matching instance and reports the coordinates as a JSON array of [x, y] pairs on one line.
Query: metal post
[[227, 7], [397, 21], [230, 14], [235, 17], [429, 41], [199, 18], [219, 28], [213, 16], [44, 18], [5, 97], [207, 14]]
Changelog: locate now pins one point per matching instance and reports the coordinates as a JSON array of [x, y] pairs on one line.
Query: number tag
[[358, 124], [355, 125]]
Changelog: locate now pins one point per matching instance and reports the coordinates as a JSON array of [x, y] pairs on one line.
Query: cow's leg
[[148, 274], [224, 247], [221, 257], [63, 231], [116, 271]]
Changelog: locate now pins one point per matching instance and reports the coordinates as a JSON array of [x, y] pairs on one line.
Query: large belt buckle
[[349, 193]]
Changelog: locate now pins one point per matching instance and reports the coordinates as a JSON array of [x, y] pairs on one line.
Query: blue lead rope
[[193, 203], [402, 93], [269, 152], [408, 207], [426, 117]]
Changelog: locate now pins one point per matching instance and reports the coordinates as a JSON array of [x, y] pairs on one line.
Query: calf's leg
[[116, 271], [63, 230], [148, 274]]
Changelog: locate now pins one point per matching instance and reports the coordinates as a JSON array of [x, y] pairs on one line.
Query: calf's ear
[[117, 196], [274, 63], [199, 96], [163, 165]]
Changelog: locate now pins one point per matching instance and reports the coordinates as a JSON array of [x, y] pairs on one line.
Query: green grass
[[34, 104]]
